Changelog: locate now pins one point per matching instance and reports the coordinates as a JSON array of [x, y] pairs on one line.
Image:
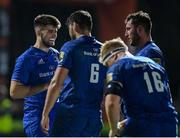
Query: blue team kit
[[35, 67], [78, 111], [147, 103]]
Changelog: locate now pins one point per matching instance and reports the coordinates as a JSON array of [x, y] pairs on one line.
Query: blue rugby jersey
[[83, 88], [145, 89], [152, 51], [32, 68]]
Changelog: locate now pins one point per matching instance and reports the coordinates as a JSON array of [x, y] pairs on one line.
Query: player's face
[[131, 34], [49, 35], [71, 31], [110, 62]]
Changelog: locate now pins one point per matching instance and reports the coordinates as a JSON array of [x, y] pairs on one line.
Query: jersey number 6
[[94, 76]]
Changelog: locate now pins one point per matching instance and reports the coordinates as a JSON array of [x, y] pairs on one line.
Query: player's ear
[[37, 31], [139, 29], [76, 27], [115, 57]]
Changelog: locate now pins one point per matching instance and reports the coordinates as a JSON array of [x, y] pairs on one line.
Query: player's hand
[[45, 124], [121, 124], [120, 127]]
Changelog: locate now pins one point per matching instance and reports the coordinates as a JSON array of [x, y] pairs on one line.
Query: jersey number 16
[[156, 81]]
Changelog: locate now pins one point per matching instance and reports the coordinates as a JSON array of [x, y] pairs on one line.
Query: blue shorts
[[76, 123], [145, 128], [32, 126]]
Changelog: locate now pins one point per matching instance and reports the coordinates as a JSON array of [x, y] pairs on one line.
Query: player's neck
[[41, 46], [83, 34], [127, 53], [144, 41]]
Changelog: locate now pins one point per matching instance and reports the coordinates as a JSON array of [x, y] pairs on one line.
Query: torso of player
[[37, 68], [43, 66], [84, 85], [145, 88]]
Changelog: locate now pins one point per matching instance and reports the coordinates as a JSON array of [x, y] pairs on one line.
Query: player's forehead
[[108, 48], [49, 27], [129, 23]]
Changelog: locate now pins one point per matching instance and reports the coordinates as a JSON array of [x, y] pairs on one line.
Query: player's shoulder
[[98, 42], [30, 54], [153, 47], [150, 50], [126, 59], [119, 63], [26, 54], [69, 45], [130, 61], [141, 61]]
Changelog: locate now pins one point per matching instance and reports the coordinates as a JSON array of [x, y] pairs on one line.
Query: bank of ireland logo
[[95, 49]]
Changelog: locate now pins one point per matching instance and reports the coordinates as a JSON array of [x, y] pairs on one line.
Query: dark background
[[17, 34]]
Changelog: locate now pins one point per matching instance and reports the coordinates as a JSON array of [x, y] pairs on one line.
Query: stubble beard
[[46, 43], [135, 40]]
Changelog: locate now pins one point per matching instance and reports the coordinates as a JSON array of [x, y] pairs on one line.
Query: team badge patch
[[61, 56], [109, 77], [157, 60]]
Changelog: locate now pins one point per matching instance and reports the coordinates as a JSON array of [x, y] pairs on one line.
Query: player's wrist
[[45, 114]]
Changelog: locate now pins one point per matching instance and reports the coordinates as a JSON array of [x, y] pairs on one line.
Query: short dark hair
[[46, 19], [82, 18], [140, 18]]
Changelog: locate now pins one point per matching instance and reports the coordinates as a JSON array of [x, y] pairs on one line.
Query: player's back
[[146, 92], [84, 86]]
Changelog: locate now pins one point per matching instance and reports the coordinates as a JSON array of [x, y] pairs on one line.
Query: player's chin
[[129, 42], [51, 44]]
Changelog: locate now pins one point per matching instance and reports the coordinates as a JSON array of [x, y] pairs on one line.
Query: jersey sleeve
[[156, 56], [54, 50], [21, 71], [65, 56], [114, 80], [115, 74]]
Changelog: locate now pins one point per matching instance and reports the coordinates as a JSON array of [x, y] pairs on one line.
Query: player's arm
[[19, 90], [112, 106], [112, 111], [54, 90], [155, 56]]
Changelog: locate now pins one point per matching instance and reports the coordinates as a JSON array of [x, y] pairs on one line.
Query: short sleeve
[[114, 73], [65, 56], [156, 56], [21, 71]]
